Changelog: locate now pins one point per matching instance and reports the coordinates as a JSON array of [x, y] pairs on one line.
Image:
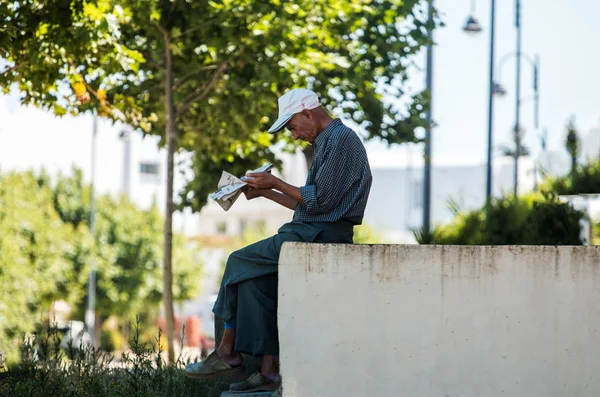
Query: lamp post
[[473, 27], [517, 130], [573, 148], [501, 91], [90, 314], [427, 154]]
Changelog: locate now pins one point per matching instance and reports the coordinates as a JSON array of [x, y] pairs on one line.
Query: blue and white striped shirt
[[339, 179]]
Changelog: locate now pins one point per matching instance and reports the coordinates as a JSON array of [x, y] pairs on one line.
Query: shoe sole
[[225, 372], [269, 387]]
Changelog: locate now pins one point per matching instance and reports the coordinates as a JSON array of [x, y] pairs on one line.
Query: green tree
[[63, 55], [205, 75], [35, 252], [572, 144], [46, 249], [128, 251]]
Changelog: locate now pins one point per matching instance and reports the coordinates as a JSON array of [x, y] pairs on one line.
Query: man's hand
[[275, 189], [262, 180], [252, 193]]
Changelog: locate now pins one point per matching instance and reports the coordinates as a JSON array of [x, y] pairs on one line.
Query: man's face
[[303, 126]]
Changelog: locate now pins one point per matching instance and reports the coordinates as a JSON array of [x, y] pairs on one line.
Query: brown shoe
[[211, 367], [256, 382]]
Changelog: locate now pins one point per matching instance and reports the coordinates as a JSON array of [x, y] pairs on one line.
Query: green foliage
[[572, 142], [533, 219], [595, 233], [586, 180], [35, 246], [231, 59], [553, 223], [91, 374], [111, 340], [364, 234], [130, 250], [63, 55], [46, 250]]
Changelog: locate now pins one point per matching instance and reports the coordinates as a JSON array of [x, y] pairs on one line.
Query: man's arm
[[266, 182], [290, 191], [279, 198]]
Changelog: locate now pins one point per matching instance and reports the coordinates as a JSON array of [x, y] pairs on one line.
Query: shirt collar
[[322, 137]]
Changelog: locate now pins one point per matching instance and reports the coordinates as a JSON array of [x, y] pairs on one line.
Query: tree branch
[[191, 30], [150, 60], [161, 29], [201, 93], [185, 78]]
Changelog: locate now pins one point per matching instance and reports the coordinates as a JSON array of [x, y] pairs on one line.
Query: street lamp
[[471, 28], [427, 151], [472, 25], [517, 128], [499, 90], [90, 313]]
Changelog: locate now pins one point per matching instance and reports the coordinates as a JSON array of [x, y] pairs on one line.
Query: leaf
[[176, 50], [59, 110]]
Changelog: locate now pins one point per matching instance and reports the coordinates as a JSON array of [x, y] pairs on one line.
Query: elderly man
[[325, 211]]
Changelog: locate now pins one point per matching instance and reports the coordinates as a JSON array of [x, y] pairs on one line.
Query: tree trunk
[[97, 330], [168, 232]]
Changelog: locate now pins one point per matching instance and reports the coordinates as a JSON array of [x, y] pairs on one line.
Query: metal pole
[[518, 98], [536, 115], [427, 157], [488, 187], [90, 314], [536, 90]]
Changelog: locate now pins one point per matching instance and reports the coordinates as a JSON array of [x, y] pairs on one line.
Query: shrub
[[92, 373], [533, 219], [586, 180]]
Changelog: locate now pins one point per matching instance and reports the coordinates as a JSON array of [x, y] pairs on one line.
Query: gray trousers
[[248, 293]]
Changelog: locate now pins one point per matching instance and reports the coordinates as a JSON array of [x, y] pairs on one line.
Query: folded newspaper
[[230, 187]]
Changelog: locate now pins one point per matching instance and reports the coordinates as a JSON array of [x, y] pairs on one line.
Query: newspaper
[[230, 187]]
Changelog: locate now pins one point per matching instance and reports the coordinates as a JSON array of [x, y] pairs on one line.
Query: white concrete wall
[[439, 321]]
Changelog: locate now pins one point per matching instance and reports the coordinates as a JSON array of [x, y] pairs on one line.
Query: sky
[[563, 33]]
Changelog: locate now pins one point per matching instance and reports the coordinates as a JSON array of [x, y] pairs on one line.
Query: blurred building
[[395, 207]]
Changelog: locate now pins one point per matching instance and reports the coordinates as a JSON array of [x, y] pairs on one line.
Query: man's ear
[[307, 114]]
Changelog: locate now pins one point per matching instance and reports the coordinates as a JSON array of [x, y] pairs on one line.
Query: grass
[[47, 370]]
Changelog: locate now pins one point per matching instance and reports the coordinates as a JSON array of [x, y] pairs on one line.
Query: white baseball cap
[[293, 102]]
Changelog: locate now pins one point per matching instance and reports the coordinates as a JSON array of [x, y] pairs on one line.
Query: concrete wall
[[439, 321]]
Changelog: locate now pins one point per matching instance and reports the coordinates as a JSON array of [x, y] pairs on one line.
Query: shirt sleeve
[[334, 178]]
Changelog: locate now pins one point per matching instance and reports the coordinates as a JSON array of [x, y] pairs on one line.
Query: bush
[[92, 373], [365, 234], [534, 219], [585, 181]]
